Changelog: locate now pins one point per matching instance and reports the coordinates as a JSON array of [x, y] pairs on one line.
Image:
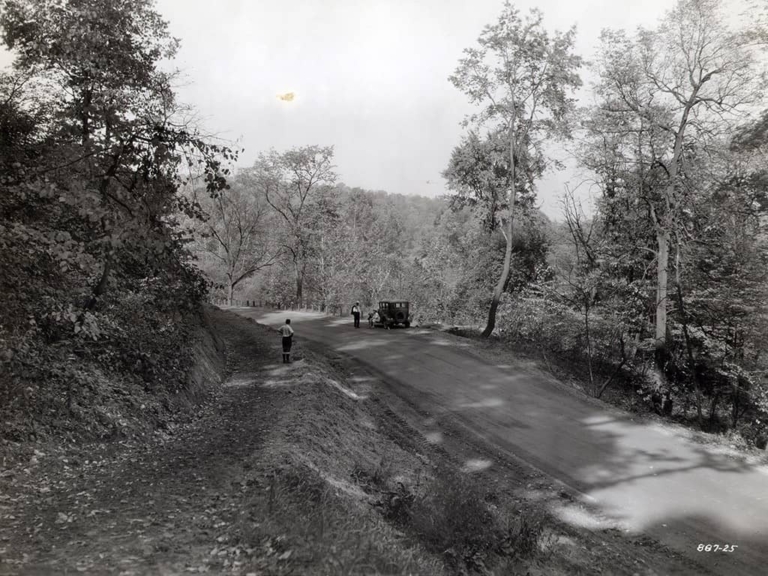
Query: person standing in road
[[287, 333], [356, 313]]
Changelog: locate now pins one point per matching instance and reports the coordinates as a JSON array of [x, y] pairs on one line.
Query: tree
[[104, 158], [721, 282], [329, 249], [94, 149], [236, 235], [675, 88], [478, 176], [290, 183], [591, 280], [520, 77]]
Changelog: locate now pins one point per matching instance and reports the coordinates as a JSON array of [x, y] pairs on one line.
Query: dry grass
[[339, 480], [310, 502]]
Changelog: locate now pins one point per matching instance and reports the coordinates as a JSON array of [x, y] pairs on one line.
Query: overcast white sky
[[370, 76]]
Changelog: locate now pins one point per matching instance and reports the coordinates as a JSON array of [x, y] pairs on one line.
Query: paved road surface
[[640, 476]]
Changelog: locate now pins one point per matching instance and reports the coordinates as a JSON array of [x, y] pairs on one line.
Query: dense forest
[[118, 219]]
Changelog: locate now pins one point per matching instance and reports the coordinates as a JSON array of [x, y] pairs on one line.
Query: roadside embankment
[[149, 375]]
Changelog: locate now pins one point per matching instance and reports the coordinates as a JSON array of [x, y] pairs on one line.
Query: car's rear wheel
[[400, 316], [407, 324]]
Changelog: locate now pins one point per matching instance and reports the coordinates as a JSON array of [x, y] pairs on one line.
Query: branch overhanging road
[[639, 476]]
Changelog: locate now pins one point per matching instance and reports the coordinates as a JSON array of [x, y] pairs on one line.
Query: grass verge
[[348, 489]]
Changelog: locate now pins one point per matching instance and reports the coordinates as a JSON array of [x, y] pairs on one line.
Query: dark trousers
[[287, 342], [357, 319]]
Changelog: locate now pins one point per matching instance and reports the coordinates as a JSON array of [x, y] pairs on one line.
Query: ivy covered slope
[[99, 301]]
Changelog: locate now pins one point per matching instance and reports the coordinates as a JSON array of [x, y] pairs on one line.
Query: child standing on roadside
[[287, 333]]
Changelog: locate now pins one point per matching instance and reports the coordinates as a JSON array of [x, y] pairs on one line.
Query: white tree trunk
[[662, 283], [499, 289]]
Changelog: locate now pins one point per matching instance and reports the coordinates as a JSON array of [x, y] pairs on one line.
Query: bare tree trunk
[[86, 125], [664, 232], [299, 278], [661, 352], [589, 348], [299, 288], [101, 287], [499, 289], [616, 370], [662, 279], [713, 410], [230, 292]]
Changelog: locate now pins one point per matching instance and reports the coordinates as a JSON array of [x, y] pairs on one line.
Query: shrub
[[451, 517]]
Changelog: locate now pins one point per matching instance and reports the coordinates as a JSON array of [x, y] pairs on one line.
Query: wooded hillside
[[99, 298]]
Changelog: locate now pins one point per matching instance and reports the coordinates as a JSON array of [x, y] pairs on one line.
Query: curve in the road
[[642, 476]]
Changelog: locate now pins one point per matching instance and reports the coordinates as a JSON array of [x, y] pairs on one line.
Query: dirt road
[[636, 476]]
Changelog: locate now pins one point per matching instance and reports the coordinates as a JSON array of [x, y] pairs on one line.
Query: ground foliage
[[99, 300]]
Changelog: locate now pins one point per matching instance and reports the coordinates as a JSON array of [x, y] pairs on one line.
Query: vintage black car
[[392, 313]]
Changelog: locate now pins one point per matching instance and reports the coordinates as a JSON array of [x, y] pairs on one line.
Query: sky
[[370, 77]]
